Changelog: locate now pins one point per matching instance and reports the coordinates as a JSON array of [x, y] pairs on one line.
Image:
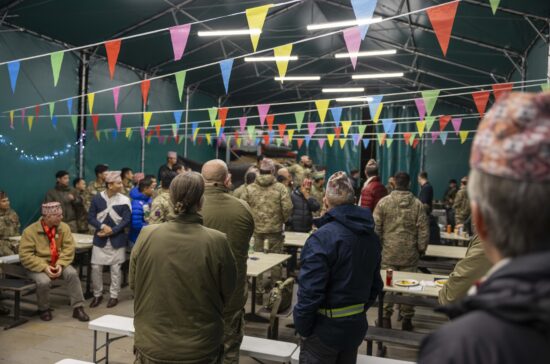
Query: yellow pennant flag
[[218, 125], [463, 136], [147, 119], [149, 139], [195, 134], [282, 51], [342, 143], [98, 135], [346, 125], [30, 119], [11, 118], [238, 141], [421, 125], [290, 133], [389, 142], [208, 139], [256, 18], [378, 112], [91, 98], [128, 132], [330, 138], [322, 108]]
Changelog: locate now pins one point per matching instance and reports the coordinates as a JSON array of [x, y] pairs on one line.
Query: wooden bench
[[361, 359], [392, 336], [17, 286]]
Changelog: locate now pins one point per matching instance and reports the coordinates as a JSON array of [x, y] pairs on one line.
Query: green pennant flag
[[413, 137], [430, 97], [181, 139], [299, 115], [361, 128], [174, 130], [545, 87], [74, 121], [429, 122], [212, 113], [389, 141], [381, 137], [278, 141], [251, 129], [494, 5], [56, 60], [106, 132], [180, 82], [52, 109]]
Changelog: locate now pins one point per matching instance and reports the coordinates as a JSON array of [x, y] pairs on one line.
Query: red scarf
[[50, 233]]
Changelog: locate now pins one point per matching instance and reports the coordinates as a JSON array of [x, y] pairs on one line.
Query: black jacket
[[506, 322], [426, 195], [302, 213]]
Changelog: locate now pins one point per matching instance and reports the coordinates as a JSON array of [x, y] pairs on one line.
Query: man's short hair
[[124, 171], [61, 174], [150, 176], [77, 180], [423, 175], [167, 178], [100, 168], [452, 181], [145, 183], [3, 195], [402, 180], [250, 177]]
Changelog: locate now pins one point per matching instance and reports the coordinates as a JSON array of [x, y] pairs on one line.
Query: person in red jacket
[[373, 190]]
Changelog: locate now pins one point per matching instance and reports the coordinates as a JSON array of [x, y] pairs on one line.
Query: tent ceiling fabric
[[481, 49]]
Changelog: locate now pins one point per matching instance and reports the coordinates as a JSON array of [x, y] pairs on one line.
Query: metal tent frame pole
[[186, 121], [83, 70]]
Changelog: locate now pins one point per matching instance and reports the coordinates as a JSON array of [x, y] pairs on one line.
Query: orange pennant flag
[[145, 85], [222, 114], [442, 18], [443, 121], [112, 48], [282, 128], [500, 89], [480, 99], [270, 118]]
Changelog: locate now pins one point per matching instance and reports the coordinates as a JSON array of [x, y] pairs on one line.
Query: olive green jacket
[[233, 217], [182, 274], [468, 270], [461, 206]]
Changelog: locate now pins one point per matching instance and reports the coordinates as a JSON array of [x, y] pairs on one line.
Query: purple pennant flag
[[116, 93], [22, 118], [311, 127], [179, 35], [242, 123], [118, 121], [421, 107], [352, 37], [285, 140], [366, 143], [321, 142], [262, 112], [443, 137], [456, 124], [307, 139], [142, 132], [356, 139], [435, 135]]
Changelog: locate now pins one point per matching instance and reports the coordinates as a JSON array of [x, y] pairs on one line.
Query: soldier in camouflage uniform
[[302, 170], [271, 207], [162, 209], [249, 178], [127, 176], [461, 204], [9, 226], [96, 186], [318, 191], [402, 225], [284, 177], [79, 191]]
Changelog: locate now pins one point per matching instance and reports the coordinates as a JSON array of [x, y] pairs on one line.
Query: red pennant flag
[[415, 143], [37, 110], [145, 85], [95, 120], [199, 140], [442, 18], [177, 139], [282, 128], [266, 139], [337, 131], [222, 114], [480, 99], [112, 48], [270, 118], [151, 132], [443, 121], [407, 137], [157, 129], [500, 89], [300, 141]]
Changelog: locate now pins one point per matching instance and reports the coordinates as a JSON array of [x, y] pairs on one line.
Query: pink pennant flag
[[352, 37], [421, 107], [116, 92], [118, 121], [311, 127], [142, 132], [161, 139], [242, 123], [179, 35], [262, 112], [321, 143], [22, 118], [435, 135], [456, 124]]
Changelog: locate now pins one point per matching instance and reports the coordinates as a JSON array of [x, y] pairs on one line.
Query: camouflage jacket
[[270, 204], [318, 194], [299, 173], [239, 191], [9, 224], [93, 189], [403, 228], [162, 209], [461, 206], [449, 198], [126, 188]]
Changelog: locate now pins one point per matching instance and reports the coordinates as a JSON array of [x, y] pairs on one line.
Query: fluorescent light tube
[[342, 24], [376, 75], [270, 59], [344, 89], [298, 78], [365, 54], [219, 33]]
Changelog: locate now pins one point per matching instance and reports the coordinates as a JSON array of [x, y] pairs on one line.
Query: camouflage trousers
[[406, 311], [276, 245], [233, 335]]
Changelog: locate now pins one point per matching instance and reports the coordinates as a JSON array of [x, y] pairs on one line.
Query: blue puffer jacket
[[340, 268], [141, 205]]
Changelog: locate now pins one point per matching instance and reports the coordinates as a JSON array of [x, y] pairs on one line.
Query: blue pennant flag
[[194, 126], [389, 127], [114, 133], [307, 138], [366, 143], [373, 105], [54, 122], [271, 134], [177, 118], [13, 69], [257, 141], [226, 65], [356, 139], [336, 115], [70, 106], [443, 137], [363, 9]]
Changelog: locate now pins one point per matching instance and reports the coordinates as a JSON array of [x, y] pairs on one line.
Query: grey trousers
[[69, 275], [314, 351], [97, 280]]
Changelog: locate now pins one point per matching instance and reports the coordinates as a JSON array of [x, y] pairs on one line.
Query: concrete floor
[[64, 337]]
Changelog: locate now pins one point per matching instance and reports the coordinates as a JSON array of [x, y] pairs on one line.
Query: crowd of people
[[191, 236]]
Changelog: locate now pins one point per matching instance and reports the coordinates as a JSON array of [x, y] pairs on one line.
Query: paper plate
[[406, 283], [441, 282]]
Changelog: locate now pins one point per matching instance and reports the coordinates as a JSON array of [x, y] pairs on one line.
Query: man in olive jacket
[[233, 217], [183, 275]]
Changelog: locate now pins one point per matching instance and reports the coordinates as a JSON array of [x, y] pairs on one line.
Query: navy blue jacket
[[426, 195], [301, 219], [340, 267], [119, 239], [140, 203]]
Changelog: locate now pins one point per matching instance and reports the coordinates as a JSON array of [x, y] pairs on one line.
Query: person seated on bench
[[339, 278], [9, 226], [47, 250]]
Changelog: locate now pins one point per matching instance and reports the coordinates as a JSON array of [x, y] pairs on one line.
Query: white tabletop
[[113, 324], [453, 236], [80, 239], [445, 251], [10, 259], [278, 351], [425, 291], [73, 361], [361, 359], [265, 262], [295, 239]]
